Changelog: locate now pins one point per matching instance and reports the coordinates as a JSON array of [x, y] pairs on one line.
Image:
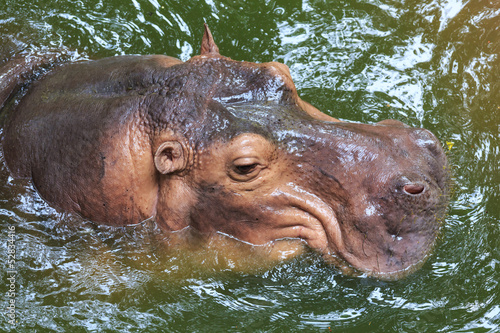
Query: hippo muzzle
[[369, 197], [395, 179], [225, 146]]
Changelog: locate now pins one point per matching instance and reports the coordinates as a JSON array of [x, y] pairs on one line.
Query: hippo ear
[[170, 157], [207, 43]]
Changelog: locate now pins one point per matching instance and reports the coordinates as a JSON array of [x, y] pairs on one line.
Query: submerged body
[[226, 146]]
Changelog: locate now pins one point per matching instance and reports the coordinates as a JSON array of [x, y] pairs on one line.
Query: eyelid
[[242, 162], [246, 161]]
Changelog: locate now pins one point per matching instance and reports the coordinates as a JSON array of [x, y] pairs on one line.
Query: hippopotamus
[[223, 146]]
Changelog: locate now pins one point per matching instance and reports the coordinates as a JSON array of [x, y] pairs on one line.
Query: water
[[430, 63]]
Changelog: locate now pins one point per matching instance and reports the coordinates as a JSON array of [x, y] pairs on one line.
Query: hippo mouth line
[[348, 264], [396, 275], [318, 210]]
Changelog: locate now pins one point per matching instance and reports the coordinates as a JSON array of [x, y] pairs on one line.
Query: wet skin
[[225, 146]]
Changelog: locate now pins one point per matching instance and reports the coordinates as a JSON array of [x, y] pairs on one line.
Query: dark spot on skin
[[211, 188], [332, 177], [102, 167]]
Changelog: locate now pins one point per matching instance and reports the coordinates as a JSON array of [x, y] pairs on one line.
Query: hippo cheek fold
[[270, 224], [296, 223], [287, 212], [309, 217]]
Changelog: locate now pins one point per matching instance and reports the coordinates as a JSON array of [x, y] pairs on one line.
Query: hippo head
[[369, 196], [227, 146], [264, 165]]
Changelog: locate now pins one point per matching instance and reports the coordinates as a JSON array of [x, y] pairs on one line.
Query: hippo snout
[[389, 197]]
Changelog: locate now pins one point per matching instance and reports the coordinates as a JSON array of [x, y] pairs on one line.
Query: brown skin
[[226, 146]]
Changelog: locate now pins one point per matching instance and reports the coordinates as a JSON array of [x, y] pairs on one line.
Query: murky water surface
[[430, 63]]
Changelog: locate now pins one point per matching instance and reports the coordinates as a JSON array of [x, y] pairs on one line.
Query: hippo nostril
[[414, 188]]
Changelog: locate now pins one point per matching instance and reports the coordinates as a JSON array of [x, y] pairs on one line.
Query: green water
[[430, 63]]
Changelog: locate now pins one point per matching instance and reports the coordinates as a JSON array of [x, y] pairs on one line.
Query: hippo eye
[[245, 169]]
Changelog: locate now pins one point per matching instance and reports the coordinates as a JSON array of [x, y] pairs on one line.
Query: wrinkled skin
[[226, 146]]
